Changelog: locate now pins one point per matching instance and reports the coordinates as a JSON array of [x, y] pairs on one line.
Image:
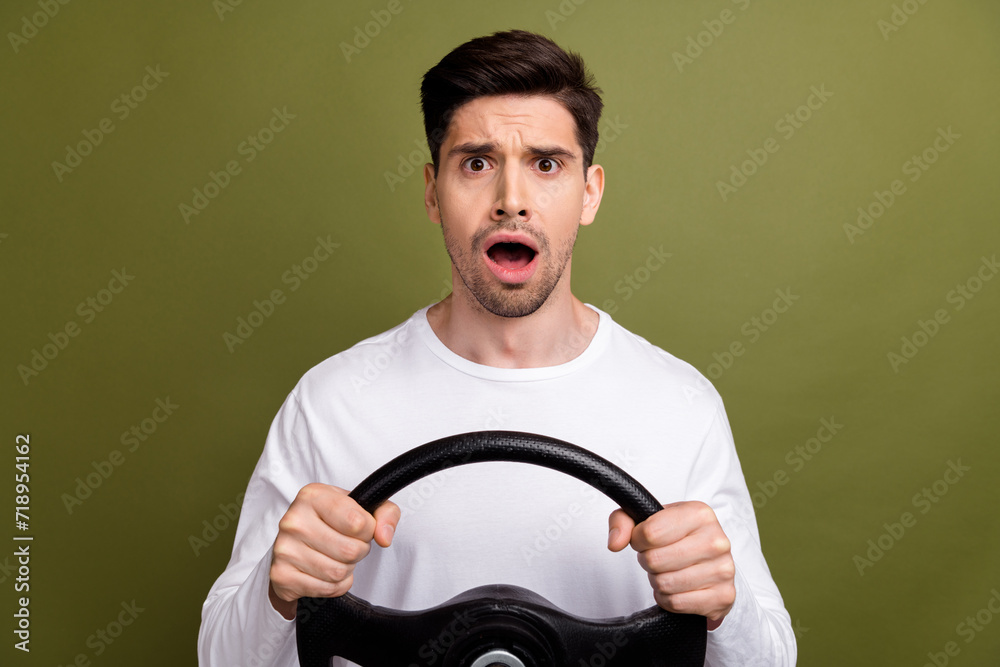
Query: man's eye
[[547, 166], [477, 164]]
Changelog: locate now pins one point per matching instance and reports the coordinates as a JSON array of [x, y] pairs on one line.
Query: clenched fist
[[320, 538], [687, 556]]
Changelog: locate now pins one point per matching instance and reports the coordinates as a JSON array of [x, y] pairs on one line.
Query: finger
[[386, 519], [620, 526], [332, 565], [345, 515], [697, 577], [291, 584], [699, 547], [305, 530], [713, 603], [671, 524]]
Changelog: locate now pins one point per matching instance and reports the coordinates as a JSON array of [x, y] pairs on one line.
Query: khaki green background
[[671, 133]]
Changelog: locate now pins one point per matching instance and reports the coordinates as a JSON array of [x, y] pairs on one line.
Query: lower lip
[[512, 276]]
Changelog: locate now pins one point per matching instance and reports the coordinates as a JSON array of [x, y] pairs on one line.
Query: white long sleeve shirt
[[622, 398]]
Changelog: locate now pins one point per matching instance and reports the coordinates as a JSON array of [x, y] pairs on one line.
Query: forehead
[[510, 119]]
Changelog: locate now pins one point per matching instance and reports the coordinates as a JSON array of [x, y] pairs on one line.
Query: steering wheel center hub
[[497, 658]]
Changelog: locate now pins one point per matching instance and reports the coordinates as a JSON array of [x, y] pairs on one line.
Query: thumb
[[386, 518], [620, 527]]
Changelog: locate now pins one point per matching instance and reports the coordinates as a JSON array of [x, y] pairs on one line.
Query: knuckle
[[650, 532], [338, 572], [354, 522], [288, 524], [665, 584], [328, 590], [343, 586], [679, 604], [280, 552], [310, 491], [277, 574], [652, 560], [354, 551], [284, 582]]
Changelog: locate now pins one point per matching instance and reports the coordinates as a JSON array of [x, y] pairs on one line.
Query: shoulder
[[362, 363], [658, 370]]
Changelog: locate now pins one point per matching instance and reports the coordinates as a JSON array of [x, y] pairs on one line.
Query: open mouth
[[511, 256]]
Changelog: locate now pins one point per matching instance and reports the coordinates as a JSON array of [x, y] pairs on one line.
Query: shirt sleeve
[[758, 629], [239, 627]]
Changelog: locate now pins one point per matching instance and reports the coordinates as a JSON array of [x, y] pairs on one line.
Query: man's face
[[510, 195]]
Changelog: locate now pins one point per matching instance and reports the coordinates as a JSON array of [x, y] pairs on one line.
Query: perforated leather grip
[[515, 446]]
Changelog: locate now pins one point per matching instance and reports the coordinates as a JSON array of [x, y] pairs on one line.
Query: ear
[[430, 194], [593, 190]]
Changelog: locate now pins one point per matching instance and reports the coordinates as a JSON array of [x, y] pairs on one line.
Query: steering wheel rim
[[484, 446], [510, 446]]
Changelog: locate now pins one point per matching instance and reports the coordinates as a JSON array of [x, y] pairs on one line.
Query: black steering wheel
[[498, 625]]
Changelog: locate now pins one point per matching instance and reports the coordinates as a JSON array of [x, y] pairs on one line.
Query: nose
[[512, 200]]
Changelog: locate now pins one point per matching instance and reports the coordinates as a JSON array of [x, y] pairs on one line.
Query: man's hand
[[322, 536], [687, 556]]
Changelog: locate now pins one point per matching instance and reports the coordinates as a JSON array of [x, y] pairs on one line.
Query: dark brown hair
[[515, 62]]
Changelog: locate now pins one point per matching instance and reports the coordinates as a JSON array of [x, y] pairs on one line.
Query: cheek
[[563, 208], [461, 202], [561, 196]]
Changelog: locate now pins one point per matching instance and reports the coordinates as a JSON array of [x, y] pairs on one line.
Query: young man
[[511, 348]]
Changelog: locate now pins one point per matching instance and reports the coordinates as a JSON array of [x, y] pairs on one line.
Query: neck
[[559, 331]]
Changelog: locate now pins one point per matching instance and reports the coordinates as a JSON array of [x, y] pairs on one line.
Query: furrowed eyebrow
[[551, 151], [473, 148]]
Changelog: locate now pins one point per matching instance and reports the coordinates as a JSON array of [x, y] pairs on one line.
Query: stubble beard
[[502, 299]]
